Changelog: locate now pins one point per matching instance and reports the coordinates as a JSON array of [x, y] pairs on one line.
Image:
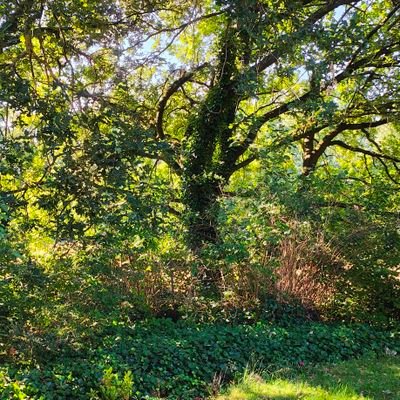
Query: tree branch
[[245, 163], [175, 86], [272, 57], [364, 151], [327, 140]]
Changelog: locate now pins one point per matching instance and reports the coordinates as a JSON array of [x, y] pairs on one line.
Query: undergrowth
[[178, 360]]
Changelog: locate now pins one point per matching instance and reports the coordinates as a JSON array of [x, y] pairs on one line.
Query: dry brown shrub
[[308, 268]]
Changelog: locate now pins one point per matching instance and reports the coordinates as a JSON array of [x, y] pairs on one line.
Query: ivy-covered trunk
[[201, 198], [201, 195], [208, 138]]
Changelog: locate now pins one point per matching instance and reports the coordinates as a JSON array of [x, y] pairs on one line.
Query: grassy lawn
[[362, 379]]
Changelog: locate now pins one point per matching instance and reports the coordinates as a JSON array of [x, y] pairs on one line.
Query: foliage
[[114, 388], [95, 139], [216, 162], [180, 360]]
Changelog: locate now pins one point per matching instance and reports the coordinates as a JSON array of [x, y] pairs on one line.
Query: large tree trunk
[[211, 153], [201, 199], [206, 168]]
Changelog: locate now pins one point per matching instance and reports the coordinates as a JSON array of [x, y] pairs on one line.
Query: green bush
[[115, 388]]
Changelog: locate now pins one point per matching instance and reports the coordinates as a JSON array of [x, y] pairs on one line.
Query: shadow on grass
[[362, 379]]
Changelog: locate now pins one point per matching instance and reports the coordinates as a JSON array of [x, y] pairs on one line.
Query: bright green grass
[[366, 378]]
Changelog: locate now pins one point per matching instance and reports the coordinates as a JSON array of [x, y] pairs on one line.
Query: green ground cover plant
[[182, 360]]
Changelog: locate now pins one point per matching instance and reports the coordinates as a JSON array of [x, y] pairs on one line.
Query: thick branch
[[244, 163], [283, 108], [364, 151], [175, 86], [327, 140]]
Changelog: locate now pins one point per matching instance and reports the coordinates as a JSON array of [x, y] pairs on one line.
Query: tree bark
[[201, 199]]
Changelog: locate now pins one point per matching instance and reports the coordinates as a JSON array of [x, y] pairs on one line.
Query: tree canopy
[[140, 114]]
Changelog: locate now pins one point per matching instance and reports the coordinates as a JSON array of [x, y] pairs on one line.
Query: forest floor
[[360, 379], [186, 361]]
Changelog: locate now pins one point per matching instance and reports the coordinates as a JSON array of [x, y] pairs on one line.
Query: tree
[[198, 88], [319, 64]]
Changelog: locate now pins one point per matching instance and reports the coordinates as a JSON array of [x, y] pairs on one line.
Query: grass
[[362, 379]]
